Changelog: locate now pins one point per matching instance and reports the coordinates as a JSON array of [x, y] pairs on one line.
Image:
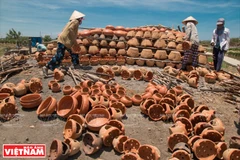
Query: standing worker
[[192, 36], [220, 42], [66, 41]]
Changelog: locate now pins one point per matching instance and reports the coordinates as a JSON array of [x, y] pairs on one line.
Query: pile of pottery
[[126, 73], [23, 89], [191, 76], [195, 130]]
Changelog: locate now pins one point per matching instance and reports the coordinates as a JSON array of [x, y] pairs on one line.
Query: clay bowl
[[96, 118], [47, 107], [31, 100], [67, 106]]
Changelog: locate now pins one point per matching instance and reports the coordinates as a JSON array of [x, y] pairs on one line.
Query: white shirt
[[191, 33], [224, 39]]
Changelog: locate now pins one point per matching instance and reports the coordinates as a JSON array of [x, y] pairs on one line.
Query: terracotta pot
[[56, 87], [189, 102], [58, 75], [221, 147], [31, 100], [186, 45], [192, 140], [67, 106], [181, 154], [209, 114], [172, 96], [72, 129], [7, 110], [86, 91], [91, 143], [175, 138], [79, 119], [126, 74], [118, 143], [86, 83], [108, 133], [234, 142], [212, 135], [199, 127], [183, 107], [231, 154], [83, 103], [115, 113], [74, 146], [130, 61], [50, 83], [58, 150], [133, 52], [133, 42], [131, 145], [162, 89], [107, 93], [119, 105], [67, 90], [178, 127], [178, 90], [196, 118], [156, 112], [218, 125], [137, 75], [47, 107], [148, 76], [149, 152], [140, 62], [160, 44], [137, 99], [167, 100], [180, 113], [146, 43], [130, 155], [114, 97], [127, 101], [96, 118], [20, 89], [3, 96], [35, 87], [204, 149], [118, 124], [120, 93], [144, 106], [104, 101]]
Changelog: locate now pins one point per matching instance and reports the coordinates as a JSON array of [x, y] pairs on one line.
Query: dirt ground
[[27, 128]]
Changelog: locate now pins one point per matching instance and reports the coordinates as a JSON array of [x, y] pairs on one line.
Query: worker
[[192, 36], [67, 40], [41, 47], [220, 42]]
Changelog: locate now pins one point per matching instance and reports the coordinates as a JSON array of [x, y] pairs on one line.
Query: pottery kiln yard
[[128, 101]]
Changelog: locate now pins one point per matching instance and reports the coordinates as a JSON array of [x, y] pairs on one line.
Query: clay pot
[[50, 83], [131, 145], [96, 118], [204, 149], [67, 90], [181, 154], [133, 52], [139, 34], [47, 107], [137, 99], [162, 89], [130, 61], [72, 129], [58, 150], [133, 42], [140, 62], [104, 101], [130, 155], [189, 102], [178, 127], [183, 107], [221, 147], [58, 75], [3, 96], [20, 89], [115, 113], [108, 133], [234, 142], [119, 105], [67, 106], [118, 124], [79, 119], [113, 44], [146, 53], [31, 100], [83, 102], [231, 154], [196, 118], [7, 110], [148, 76], [94, 49], [212, 135], [127, 101], [186, 45], [146, 43], [192, 140], [175, 138], [74, 146], [137, 75], [180, 113], [118, 143], [144, 106], [35, 87], [160, 44], [178, 90], [218, 125], [174, 56], [147, 151], [91, 143], [156, 112]]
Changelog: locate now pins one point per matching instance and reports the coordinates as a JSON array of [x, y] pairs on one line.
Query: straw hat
[[76, 15], [190, 18]]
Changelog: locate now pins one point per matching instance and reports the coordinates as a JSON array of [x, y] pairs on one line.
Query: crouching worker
[[41, 47], [67, 40]]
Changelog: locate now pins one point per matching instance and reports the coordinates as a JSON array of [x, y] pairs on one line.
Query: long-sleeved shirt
[[224, 39], [69, 34], [191, 33]]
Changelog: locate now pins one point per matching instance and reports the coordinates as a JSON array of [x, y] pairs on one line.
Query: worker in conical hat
[[67, 40], [192, 36]]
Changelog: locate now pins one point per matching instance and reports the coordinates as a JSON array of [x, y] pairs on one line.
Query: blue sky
[[48, 17]]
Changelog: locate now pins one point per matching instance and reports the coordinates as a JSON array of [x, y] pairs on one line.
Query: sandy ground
[[27, 128]]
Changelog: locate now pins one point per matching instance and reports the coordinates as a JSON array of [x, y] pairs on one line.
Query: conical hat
[[76, 15], [190, 18]]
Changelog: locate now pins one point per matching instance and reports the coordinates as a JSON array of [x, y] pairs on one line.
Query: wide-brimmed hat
[[76, 15], [190, 18]]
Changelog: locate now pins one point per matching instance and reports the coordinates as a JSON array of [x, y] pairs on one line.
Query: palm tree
[[14, 35]]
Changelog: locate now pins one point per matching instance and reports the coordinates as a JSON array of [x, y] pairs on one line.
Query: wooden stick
[[74, 79], [14, 70]]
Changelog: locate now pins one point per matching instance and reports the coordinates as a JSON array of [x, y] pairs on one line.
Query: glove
[[212, 43]]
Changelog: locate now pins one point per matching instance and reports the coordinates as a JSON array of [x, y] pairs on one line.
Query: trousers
[[192, 51], [218, 56], [58, 57]]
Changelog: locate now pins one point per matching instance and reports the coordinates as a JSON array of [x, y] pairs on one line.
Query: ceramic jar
[[147, 151], [231, 154], [58, 75], [47, 107], [118, 143], [67, 106], [118, 124], [175, 138], [137, 99], [156, 112], [72, 129], [131, 145], [108, 133], [31, 100], [58, 150], [204, 149], [74, 146], [91, 143]]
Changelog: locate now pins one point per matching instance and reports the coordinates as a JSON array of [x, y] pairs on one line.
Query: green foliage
[[47, 38], [12, 34]]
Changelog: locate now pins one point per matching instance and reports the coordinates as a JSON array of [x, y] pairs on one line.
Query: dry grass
[[4, 47]]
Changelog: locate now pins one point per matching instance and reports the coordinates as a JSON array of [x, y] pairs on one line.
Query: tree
[[47, 38], [13, 35]]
